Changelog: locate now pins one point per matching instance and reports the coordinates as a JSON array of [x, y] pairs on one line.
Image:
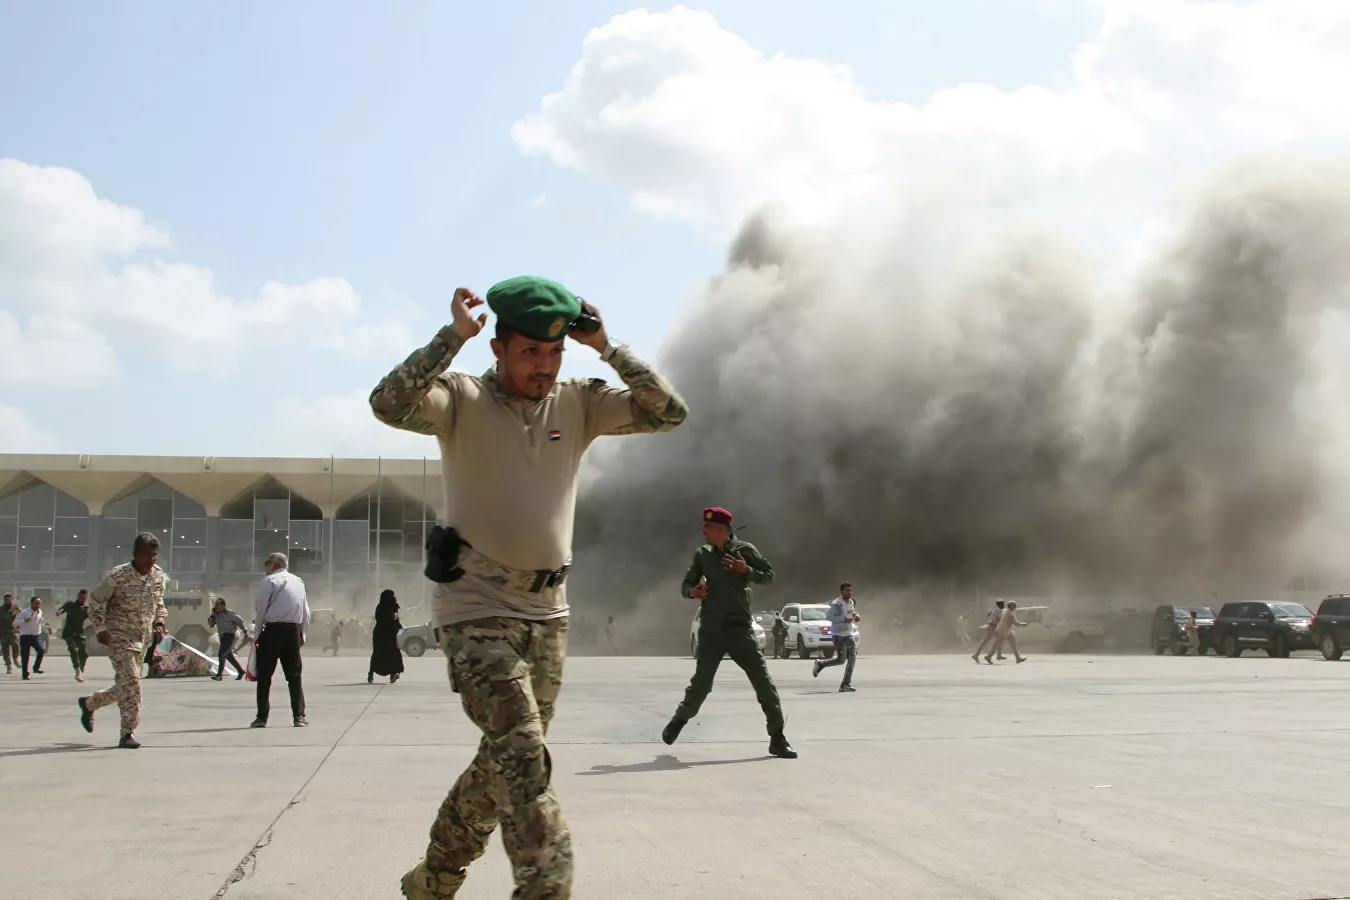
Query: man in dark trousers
[[282, 615], [721, 578], [74, 613], [229, 626]]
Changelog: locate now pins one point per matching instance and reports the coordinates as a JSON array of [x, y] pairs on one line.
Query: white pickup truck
[[1044, 629]]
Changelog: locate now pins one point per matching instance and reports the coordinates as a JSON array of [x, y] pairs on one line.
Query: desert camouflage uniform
[[507, 670], [9, 634], [126, 604]]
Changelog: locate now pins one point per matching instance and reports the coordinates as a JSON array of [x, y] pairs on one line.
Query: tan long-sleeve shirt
[[510, 464]]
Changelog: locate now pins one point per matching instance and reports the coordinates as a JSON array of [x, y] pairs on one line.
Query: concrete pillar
[[212, 550], [93, 565]]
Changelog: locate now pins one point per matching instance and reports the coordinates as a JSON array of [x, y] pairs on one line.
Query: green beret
[[536, 307]]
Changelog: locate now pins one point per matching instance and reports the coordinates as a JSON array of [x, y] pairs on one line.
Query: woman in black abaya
[[385, 657]]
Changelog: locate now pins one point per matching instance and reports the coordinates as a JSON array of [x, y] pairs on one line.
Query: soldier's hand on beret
[[597, 340], [464, 322]]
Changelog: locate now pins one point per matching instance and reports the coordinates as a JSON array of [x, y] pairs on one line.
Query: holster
[[443, 546]]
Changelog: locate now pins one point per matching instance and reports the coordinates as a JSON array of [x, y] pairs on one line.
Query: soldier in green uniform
[[511, 441], [74, 613], [722, 576], [9, 633]]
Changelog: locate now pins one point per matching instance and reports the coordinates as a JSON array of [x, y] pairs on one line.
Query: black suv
[[1276, 628], [1331, 627], [1169, 629]]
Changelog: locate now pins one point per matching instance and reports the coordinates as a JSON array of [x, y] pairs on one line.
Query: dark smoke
[[918, 409]]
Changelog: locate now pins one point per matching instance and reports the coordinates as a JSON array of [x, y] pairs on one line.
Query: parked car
[[1044, 629], [1169, 629], [1330, 628], [1277, 628], [808, 631], [693, 633], [415, 639]]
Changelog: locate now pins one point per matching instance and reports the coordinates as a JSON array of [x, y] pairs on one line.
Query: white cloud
[[694, 123], [29, 352], [342, 425], [72, 262], [20, 434]]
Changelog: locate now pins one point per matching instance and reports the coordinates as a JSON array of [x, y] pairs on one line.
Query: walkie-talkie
[[588, 321]]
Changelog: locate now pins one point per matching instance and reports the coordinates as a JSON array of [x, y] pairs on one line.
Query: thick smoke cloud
[[922, 402]]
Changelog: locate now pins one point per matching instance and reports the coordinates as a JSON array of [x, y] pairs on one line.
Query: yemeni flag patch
[[555, 435]]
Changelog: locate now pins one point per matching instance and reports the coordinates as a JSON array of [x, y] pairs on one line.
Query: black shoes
[[393, 679], [370, 678], [301, 722], [129, 742], [846, 688], [215, 678], [672, 729], [258, 723], [86, 716], [240, 676], [779, 747], [815, 668]]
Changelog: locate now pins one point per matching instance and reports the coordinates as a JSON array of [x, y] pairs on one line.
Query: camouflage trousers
[[126, 689], [508, 673], [9, 644]]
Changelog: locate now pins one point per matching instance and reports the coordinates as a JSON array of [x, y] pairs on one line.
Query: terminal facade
[[351, 527]]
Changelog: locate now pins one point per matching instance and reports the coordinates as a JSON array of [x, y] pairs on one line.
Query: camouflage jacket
[[413, 397], [7, 614], [127, 604]]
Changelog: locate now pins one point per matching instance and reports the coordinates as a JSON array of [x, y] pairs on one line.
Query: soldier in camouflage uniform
[[126, 607], [9, 633], [511, 442]]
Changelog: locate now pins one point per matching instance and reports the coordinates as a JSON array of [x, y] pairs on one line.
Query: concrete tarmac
[[1067, 777]]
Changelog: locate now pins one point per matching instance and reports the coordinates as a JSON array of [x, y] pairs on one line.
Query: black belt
[[281, 625]]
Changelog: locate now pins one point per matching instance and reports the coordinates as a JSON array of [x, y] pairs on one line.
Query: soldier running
[[511, 441], [125, 608], [1005, 633], [721, 578], [73, 614], [990, 628]]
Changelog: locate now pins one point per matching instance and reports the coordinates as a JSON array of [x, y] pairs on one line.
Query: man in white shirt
[[30, 635], [282, 616]]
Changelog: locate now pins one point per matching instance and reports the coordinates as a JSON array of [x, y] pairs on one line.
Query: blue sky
[[373, 142]]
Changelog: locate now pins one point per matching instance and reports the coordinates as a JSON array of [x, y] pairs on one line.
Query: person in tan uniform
[[124, 609], [511, 442], [1005, 632]]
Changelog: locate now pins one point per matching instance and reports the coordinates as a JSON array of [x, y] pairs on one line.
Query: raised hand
[[463, 320], [735, 563]]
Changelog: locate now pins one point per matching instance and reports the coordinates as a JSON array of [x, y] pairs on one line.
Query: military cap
[[717, 515], [538, 308]]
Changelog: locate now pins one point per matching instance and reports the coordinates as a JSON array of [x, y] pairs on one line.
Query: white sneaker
[[79, 676]]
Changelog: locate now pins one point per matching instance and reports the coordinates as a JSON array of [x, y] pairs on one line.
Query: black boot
[[779, 747], [129, 742], [672, 729], [86, 715]]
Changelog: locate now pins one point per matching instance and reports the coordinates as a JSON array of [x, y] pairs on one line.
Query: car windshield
[[813, 615], [1290, 611], [1201, 612]]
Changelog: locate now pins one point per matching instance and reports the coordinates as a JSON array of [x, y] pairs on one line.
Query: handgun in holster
[[443, 546]]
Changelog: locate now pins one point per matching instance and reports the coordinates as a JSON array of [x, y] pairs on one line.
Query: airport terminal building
[[351, 527]]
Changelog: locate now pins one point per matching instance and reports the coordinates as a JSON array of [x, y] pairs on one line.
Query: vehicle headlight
[[814, 629], [1299, 626]]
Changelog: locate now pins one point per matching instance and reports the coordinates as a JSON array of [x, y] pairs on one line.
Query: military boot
[[673, 729], [86, 715], [423, 884], [779, 747]]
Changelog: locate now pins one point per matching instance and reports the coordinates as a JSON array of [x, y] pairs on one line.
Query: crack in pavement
[[249, 864]]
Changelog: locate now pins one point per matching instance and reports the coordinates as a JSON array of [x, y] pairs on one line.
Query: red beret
[[717, 514]]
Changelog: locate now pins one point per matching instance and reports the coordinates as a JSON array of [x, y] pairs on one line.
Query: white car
[[693, 633], [808, 631]]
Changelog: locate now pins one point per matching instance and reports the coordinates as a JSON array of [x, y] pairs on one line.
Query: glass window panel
[[391, 546], [72, 532], [112, 556], [265, 543], [9, 558], [271, 489], [272, 515], [67, 505], [155, 516], [9, 504], [240, 507], [236, 560], [306, 562], [124, 508], [156, 490], [351, 561], [357, 508], [189, 533], [188, 560], [9, 531], [35, 549], [236, 534], [119, 534], [391, 515], [37, 505], [352, 536], [306, 535], [303, 509], [70, 559], [184, 507]]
